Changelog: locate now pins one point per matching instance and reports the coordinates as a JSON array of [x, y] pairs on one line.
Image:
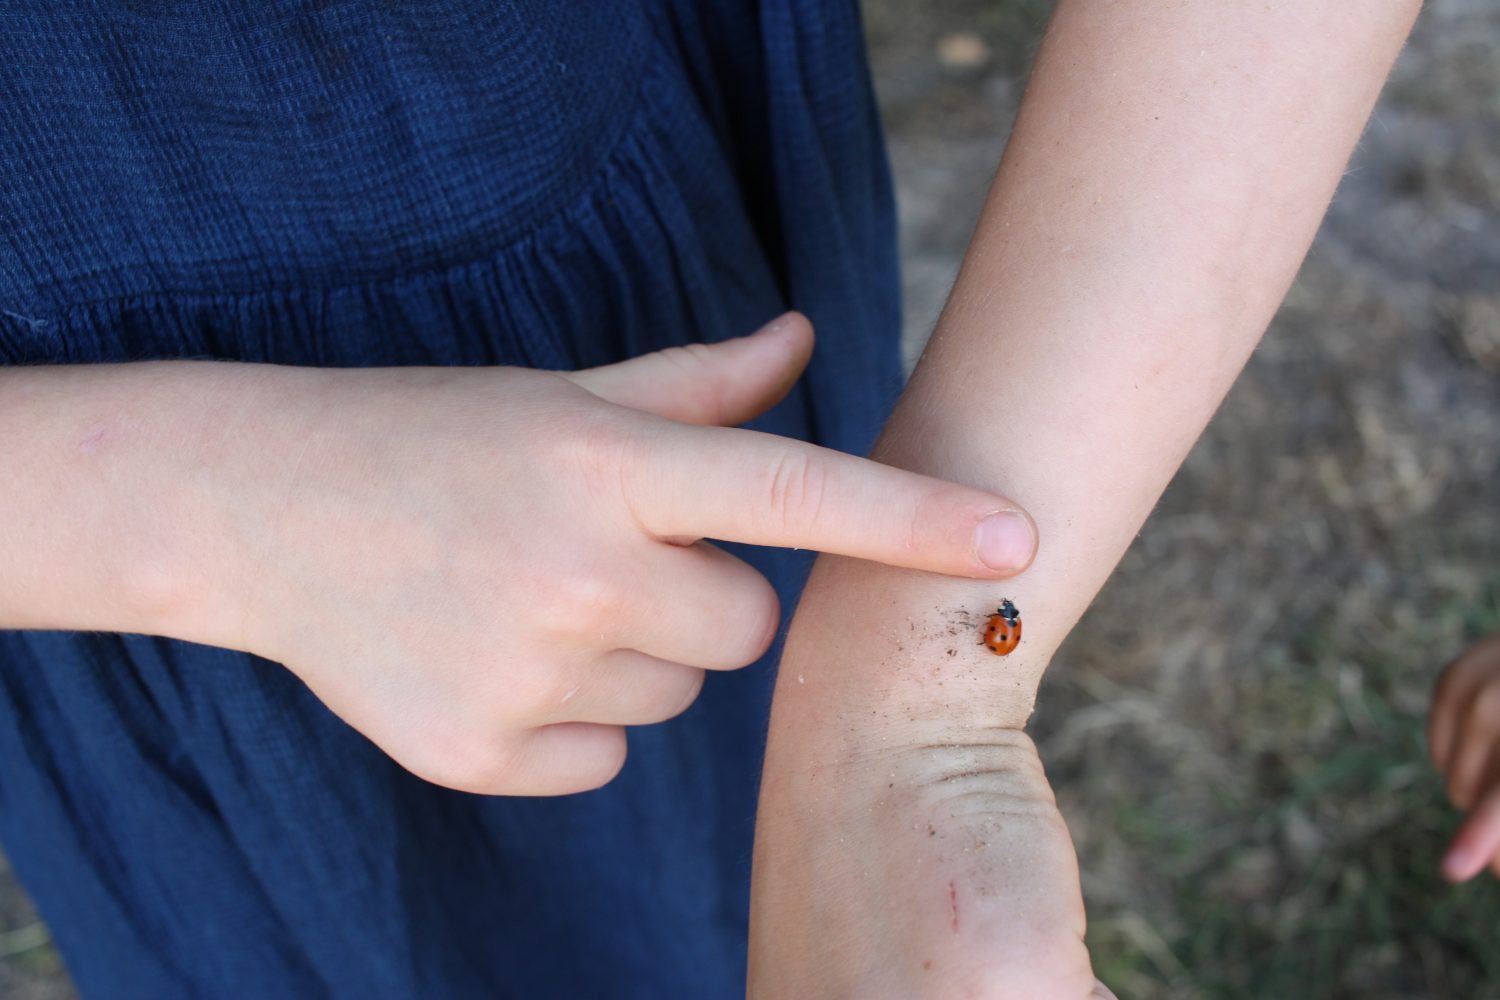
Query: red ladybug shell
[[1002, 633]]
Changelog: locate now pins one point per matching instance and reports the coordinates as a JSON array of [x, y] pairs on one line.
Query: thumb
[[724, 383]]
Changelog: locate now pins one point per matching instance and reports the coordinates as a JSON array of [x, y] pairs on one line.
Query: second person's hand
[[1463, 739], [490, 571]]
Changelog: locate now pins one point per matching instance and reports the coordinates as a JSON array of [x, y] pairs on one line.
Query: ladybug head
[[1008, 611]]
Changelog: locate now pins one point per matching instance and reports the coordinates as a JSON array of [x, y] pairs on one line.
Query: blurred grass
[[1313, 871], [30, 967]]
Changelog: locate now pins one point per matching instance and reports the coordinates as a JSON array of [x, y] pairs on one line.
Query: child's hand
[[490, 571], [1463, 736]]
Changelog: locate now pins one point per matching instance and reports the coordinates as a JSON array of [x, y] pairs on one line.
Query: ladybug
[[1002, 633]]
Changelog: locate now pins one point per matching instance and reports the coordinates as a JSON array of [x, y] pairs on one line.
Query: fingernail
[[1004, 541], [1456, 864], [775, 325]]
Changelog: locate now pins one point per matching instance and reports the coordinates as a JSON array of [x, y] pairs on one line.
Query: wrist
[[195, 568], [102, 521], [905, 651]]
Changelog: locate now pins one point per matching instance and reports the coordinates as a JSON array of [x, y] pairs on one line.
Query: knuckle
[[535, 697], [796, 486], [591, 453], [510, 686], [580, 600]]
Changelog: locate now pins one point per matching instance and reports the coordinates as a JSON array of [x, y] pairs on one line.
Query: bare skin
[[490, 572], [1463, 738], [1166, 175]]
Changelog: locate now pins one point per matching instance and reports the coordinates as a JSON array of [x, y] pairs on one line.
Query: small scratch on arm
[[95, 437]]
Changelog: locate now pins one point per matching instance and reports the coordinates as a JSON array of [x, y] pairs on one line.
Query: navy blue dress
[[463, 182]]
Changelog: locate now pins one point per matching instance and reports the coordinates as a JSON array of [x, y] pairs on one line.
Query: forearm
[[109, 516], [1166, 175]]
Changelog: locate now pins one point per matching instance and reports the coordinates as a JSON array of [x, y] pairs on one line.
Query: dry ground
[[1244, 777]]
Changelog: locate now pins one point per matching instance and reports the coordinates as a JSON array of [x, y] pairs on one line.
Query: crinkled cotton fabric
[[453, 182]]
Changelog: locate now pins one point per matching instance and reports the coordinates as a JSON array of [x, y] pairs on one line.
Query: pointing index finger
[[748, 486]]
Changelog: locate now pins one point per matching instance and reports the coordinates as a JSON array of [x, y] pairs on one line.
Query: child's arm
[[1167, 172], [1463, 737]]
